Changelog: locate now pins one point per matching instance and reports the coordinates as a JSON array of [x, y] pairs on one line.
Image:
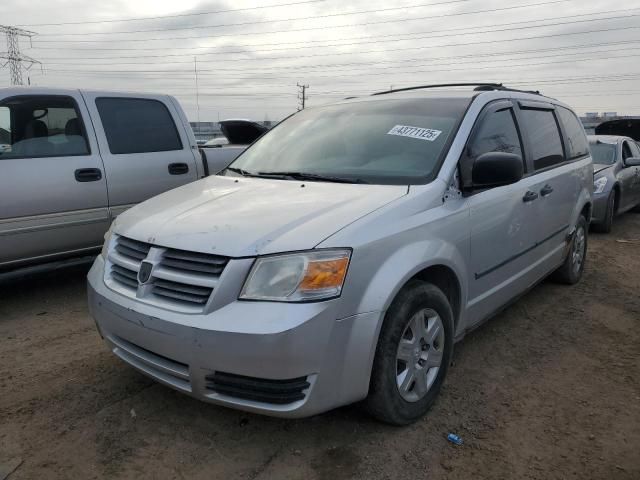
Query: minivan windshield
[[390, 141], [603, 153]]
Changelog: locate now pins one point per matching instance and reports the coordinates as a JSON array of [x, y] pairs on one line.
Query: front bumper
[[599, 210], [269, 342]]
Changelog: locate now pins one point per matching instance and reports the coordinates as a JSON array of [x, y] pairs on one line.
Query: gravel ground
[[548, 389]]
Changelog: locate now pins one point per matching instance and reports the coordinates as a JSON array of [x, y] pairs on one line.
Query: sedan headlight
[[599, 184], [297, 277]]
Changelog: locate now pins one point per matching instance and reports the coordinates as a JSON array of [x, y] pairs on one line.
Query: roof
[[607, 138]]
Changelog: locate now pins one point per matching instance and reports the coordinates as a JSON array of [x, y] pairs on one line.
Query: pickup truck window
[[541, 128], [576, 138], [137, 125], [393, 142], [41, 126]]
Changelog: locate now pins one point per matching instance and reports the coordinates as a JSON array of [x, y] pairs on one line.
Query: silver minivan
[[341, 256]]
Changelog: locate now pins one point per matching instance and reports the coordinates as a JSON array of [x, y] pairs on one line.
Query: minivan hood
[[240, 217]]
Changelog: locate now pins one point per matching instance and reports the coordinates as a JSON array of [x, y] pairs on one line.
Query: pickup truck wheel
[[413, 354], [571, 270], [607, 223]]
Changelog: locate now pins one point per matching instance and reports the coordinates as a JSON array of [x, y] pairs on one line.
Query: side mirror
[[632, 162], [494, 169]]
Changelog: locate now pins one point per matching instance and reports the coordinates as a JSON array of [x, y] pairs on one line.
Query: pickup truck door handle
[[178, 168], [529, 196], [88, 174], [546, 190]]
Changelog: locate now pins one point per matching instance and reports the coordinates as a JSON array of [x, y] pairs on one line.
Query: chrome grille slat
[[192, 266], [195, 257], [130, 252], [181, 287], [134, 244], [176, 295]]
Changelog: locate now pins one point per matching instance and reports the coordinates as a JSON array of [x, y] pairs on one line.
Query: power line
[[164, 55], [262, 22], [484, 42], [312, 68], [300, 29], [13, 57], [362, 37], [162, 17]]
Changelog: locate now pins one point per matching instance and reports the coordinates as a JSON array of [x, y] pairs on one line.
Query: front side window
[[603, 153], [137, 125], [496, 133], [541, 128], [626, 151], [577, 143], [41, 126], [383, 141]]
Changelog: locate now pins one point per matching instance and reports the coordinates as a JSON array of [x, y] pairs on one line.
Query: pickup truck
[[72, 160]]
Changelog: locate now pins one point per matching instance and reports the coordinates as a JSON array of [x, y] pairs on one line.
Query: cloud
[[251, 70]]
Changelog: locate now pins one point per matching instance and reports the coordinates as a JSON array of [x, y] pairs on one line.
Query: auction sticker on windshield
[[415, 132]]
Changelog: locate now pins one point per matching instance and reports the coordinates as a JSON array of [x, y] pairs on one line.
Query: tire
[[607, 223], [422, 307], [571, 269]]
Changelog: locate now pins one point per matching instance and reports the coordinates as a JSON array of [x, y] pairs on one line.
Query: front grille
[[181, 291], [124, 276], [132, 249], [194, 262], [181, 278], [264, 390], [158, 366]]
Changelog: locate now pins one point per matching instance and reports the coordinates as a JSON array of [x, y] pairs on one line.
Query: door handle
[[88, 175], [178, 168], [529, 196], [546, 190]]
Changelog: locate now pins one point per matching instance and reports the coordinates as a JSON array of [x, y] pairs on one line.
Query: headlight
[[599, 184], [297, 277], [107, 240]]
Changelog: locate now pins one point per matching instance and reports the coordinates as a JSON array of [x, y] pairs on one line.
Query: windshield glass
[[603, 153], [384, 142]]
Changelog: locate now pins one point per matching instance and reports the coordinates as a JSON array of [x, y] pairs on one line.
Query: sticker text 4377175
[[415, 132]]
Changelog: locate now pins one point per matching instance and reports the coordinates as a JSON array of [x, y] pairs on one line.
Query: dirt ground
[[548, 389]]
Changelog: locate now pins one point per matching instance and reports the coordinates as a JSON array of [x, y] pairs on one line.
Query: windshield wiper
[[309, 176], [242, 172]]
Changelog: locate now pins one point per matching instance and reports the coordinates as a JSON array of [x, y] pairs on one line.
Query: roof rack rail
[[479, 87]]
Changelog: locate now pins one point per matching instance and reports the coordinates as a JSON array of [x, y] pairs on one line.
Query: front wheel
[[413, 354], [571, 270], [607, 223]]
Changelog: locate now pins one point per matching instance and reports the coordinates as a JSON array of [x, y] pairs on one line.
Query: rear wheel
[[607, 223], [571, 270], [413, 354]]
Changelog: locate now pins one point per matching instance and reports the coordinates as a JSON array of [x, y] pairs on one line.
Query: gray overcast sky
[[249, 59]]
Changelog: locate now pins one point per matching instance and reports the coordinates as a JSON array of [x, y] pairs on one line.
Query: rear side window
[[496, 133], [541, 128], [137, 125], [577, 144], [41, 126]]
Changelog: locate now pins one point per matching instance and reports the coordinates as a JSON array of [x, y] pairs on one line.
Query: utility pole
[[195, 69], [302, 95], [13, 57]]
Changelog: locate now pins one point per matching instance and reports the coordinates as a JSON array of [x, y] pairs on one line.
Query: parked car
[[616, 179], [76, 159], [343, 253], [239, 134]]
